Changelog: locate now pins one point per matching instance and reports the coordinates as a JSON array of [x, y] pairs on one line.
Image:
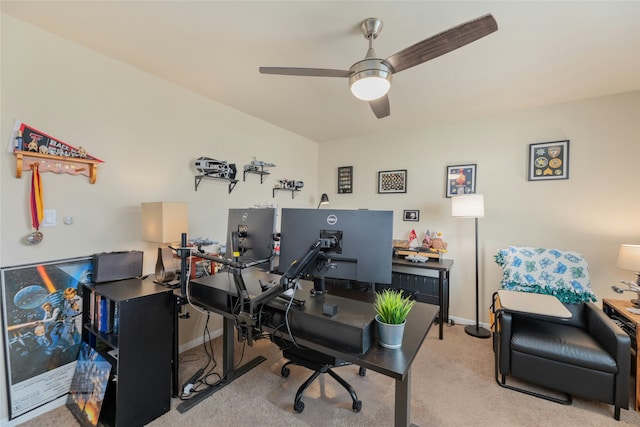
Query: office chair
[[319, 363]]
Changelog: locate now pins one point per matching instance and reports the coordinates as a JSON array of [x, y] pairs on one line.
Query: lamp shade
[[164, 222], [468, 206], [629, 257]]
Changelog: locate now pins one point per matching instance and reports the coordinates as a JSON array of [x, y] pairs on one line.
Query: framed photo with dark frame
[[345, 179], [461, 179], [411, 215], [394, 181], [548, 160]]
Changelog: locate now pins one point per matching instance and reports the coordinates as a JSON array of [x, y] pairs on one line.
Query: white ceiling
[[543, 53]]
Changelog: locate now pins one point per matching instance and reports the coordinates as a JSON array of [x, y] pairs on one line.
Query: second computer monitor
[[363, 249], [255, 228]]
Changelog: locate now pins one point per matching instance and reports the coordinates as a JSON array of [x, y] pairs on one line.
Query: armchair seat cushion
[[560, 343]]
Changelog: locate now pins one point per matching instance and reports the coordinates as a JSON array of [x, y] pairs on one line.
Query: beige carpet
[[452, 385]]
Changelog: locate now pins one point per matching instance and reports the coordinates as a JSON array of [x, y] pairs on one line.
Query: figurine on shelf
[[216, 168], [290, 184], [258, 165], [433, 241]]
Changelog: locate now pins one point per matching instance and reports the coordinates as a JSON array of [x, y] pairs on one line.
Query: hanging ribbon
[[37, 205]]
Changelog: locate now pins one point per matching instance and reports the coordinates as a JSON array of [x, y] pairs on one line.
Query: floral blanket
[[546, 271]]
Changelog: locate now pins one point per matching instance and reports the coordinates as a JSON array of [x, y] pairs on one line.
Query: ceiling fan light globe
[[369, 85]]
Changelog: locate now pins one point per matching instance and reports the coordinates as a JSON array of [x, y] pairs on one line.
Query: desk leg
[[442, 304], [227, 346], [403, 401]]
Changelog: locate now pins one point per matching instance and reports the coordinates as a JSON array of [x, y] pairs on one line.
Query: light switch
[[49, 219]]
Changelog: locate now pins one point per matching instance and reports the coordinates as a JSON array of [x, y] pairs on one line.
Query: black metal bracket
[[232, 182], [293, 191], [263, 174]]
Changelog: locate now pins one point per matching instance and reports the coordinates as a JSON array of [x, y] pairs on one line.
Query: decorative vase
[[390, 336]]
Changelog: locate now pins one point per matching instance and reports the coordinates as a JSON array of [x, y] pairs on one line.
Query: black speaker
[[110, 266]]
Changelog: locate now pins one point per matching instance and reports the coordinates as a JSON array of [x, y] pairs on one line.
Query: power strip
[[186, 388]]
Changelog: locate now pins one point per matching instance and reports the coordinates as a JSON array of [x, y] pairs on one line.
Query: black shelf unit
[[140, 350]]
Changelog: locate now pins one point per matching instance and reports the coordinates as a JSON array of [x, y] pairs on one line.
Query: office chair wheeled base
[[298, 404]]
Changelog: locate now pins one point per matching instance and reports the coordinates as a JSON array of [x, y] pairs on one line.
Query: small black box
[[110, 266]]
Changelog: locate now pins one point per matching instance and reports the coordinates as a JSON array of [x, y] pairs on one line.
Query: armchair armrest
[[617, 343], [502, 338], [607, 333]]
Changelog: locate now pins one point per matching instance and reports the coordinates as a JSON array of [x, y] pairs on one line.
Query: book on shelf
[[103, 320]]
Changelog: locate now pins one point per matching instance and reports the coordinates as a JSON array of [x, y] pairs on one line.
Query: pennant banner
[[35, 141]]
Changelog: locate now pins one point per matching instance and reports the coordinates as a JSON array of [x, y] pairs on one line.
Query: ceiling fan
[[370, 79]]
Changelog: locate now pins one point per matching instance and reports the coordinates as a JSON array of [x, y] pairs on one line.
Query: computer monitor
[[357, 244], [255, 229]]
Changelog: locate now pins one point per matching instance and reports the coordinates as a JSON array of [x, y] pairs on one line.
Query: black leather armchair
[[587, 356]]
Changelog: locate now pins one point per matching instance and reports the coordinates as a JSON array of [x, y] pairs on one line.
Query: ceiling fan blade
[[381, 107], [309, 72], [442, 43]]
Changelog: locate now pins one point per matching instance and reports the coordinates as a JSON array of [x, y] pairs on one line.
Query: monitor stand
[[319, 287]]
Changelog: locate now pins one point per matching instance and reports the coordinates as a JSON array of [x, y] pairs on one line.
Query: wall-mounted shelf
[[56, 164], [232, 182], [263, 174], [293, 191]]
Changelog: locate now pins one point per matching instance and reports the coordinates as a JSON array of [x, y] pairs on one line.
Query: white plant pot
[[390, 336]]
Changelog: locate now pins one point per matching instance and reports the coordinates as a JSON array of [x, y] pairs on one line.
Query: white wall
[[148, 132], [593, 212]]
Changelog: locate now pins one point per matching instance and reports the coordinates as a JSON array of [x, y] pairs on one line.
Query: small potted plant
[[392, 309]]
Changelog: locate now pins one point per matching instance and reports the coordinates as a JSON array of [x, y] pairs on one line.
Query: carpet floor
[[452, 384]]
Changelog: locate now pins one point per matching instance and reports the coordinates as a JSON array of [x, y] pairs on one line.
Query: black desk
[[213, 292], [442, 266]]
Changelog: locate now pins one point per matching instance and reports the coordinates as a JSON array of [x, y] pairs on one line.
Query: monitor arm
[[289, 278]]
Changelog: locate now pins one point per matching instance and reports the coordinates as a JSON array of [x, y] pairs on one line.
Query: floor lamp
[[472, 206]]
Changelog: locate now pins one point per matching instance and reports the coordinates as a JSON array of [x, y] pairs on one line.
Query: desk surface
[[392, 363], [530, 303]]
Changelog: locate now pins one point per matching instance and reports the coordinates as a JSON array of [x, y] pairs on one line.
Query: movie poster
[[42, 324]]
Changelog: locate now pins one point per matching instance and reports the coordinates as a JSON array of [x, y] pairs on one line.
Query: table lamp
[[629, 259], [164, 223], [471, 206]]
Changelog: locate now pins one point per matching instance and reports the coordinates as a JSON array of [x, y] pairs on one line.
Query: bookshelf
[[130, 323]]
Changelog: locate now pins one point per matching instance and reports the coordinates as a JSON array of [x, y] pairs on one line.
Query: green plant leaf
[[392, 307]]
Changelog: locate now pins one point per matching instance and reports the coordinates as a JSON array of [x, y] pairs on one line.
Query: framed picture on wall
[[549, 160], [461, 179], [345, 179], [411, 215], [394, 181]]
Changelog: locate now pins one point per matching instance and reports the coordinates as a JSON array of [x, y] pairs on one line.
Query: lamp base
[[477, 331], [165, 266]]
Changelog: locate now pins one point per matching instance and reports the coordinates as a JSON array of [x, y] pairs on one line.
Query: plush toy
[[435, 243]]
